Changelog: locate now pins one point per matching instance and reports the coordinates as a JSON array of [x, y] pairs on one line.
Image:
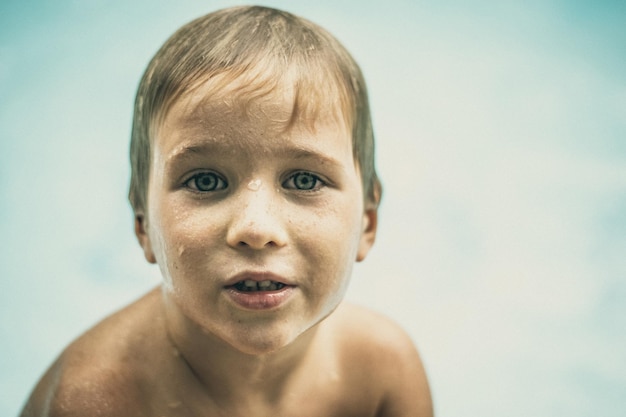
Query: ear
[[143, 238], [368, 234]]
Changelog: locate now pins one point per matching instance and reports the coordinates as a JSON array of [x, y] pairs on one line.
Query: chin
[[259, 340], [259, 348]]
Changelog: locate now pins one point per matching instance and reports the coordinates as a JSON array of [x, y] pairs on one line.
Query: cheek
[[183, 238], [330, 238]]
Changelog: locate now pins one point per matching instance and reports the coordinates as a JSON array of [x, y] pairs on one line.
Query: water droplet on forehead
[[254, 185]]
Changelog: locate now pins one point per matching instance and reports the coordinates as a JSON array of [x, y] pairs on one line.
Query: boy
[[254, 190]]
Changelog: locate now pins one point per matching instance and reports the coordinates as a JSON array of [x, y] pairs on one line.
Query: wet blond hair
[[255, 46]]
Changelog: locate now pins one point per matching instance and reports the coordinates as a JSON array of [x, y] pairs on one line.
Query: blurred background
[[501, 130]]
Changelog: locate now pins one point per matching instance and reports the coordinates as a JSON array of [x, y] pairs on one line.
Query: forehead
[[227, 101], [245, 119]]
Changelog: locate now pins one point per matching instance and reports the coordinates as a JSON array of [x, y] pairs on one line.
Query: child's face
[[239, 196]]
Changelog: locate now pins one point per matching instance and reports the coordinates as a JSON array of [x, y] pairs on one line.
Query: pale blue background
[[502, 145]]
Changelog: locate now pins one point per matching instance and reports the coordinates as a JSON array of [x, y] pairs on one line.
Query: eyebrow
[[296, 152]]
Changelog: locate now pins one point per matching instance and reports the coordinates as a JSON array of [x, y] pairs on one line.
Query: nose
[[257, 221]]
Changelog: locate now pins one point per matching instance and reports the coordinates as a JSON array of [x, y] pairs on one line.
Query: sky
[[501, 143]]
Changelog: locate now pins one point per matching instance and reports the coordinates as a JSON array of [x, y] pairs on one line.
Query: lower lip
[[260, 300]]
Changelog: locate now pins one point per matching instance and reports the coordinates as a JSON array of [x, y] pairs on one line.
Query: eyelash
[[218, 183], [290, 183]]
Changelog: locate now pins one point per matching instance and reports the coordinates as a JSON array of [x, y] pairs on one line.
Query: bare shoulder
[[102, 372], [385, 354]]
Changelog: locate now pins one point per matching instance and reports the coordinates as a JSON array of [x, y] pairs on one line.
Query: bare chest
[[339, 398]]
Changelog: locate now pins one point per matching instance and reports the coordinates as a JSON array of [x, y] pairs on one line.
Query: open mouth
[[249, 285]]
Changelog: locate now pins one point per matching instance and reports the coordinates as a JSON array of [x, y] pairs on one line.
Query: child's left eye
[[304, 181]]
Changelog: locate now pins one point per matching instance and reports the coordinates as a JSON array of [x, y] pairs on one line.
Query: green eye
[[304, 181], [206, 182]]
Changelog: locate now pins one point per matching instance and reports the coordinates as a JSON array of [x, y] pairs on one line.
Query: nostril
[[253, 244], [256, 228]]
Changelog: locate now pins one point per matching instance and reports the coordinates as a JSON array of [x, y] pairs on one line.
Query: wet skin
[[255, 220], [300, 226]]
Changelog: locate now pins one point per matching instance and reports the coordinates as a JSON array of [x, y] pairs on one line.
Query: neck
[[227, 374]]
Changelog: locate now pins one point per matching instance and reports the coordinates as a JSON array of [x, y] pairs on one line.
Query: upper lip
[[257, 276]]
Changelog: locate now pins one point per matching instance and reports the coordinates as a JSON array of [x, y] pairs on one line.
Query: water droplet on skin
[[254, 185]]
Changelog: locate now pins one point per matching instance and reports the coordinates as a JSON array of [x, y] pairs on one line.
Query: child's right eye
[[206, 182]]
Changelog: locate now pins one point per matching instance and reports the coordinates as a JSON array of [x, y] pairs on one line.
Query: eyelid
[[188, 183], [320, 182]]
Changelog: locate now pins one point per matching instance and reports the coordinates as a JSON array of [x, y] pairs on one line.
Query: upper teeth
[[251, 285]]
